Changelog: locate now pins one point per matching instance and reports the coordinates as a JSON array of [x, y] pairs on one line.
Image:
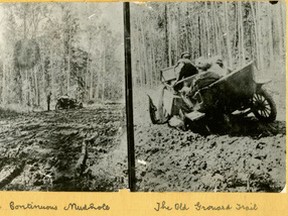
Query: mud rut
[[74, 150], [86, 150]]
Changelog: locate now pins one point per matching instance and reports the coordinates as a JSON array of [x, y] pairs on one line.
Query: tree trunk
[[97, 81], [68, 68], [241, 34], [280, 32], [144, 56], [4, 85], [52, 85], [103, 75], [270, 32], [91, 83], [199, 37], [37, 95], [207, 29], [169, 23], [154, 78], [256, 33], [166, 35], [260, 38], [227, 33], [186, 22]]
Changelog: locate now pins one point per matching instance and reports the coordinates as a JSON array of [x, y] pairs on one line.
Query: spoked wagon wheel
[[263, 106]]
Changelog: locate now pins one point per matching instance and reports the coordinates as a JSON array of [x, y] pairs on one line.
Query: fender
[[157, 115], [152, 111], [260, 83]]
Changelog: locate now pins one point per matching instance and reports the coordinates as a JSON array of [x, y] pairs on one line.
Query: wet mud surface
[[66, 150]]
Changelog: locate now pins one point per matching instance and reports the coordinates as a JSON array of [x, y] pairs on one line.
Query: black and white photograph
[[62, 97], [209, 103]]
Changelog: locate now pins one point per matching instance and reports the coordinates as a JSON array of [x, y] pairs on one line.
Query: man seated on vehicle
[[214, 64], [217, 66], [185, 69], [210, 70]]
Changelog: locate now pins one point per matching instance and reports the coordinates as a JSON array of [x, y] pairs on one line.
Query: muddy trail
[[249, 156], [66, 150]]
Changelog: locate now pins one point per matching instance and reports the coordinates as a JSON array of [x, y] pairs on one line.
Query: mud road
[[248, 158], [66, 150]]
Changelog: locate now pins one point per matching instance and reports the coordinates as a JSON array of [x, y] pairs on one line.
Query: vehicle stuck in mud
[[236, 137], [65, 102], [237, 91]]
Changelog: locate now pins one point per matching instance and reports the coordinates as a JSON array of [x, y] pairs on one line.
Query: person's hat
[[185, 54], [219, 61]]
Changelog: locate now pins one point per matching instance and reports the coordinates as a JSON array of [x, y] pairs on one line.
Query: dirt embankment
[[67, 150], [249, 157]]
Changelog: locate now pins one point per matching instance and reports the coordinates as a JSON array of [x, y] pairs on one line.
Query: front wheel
[[263, 106]]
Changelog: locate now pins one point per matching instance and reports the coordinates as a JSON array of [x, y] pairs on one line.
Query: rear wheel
[[263, 106]]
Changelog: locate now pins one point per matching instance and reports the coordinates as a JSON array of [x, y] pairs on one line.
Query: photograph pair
[[158, 96]]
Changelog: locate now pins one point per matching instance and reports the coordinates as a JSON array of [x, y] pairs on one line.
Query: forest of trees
[[77, 52], [74, 51], [237, 31]]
